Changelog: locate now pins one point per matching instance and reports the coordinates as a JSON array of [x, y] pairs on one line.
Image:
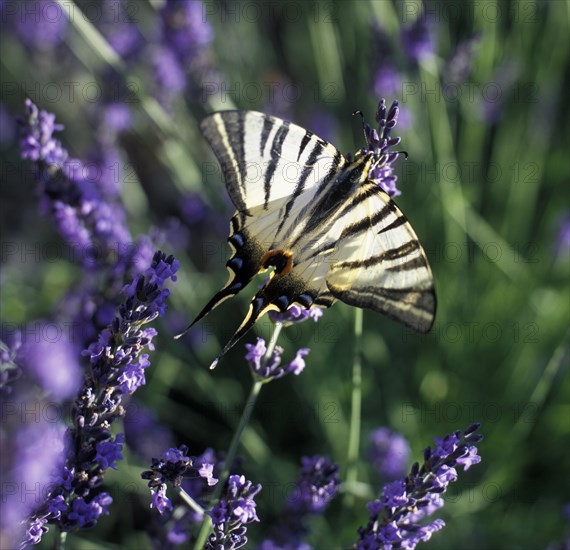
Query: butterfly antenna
[[359, 112], [405, 153]]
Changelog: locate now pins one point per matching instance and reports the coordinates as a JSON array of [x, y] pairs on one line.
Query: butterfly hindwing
[[381, 265]]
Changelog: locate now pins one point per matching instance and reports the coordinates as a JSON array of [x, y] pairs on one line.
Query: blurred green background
[[485, 122]]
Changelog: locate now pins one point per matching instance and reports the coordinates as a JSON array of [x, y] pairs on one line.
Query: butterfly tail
[[258, 307], [227, 292]]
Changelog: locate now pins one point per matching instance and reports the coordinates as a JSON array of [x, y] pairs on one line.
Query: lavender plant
[[90, 218], [388, 453], [380, 142], [396, 518], [117, 367], [318, 483]]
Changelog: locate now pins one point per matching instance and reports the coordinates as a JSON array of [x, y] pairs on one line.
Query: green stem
[[356, 406], [244, 421], [190, 501], [60, 542]]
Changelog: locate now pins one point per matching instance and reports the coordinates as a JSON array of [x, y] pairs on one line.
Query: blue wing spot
[[282, 302], [237, 240], [305, 300], [235, 263]]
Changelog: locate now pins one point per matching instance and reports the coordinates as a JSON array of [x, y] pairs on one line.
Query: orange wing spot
[[281, 260]]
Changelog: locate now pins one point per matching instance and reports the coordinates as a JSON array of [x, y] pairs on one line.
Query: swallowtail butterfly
[[316, 218]]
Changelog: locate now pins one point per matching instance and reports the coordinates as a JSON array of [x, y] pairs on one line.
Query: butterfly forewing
[[265, 159]]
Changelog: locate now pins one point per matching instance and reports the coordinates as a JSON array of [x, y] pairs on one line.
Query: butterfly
[[314, 217]]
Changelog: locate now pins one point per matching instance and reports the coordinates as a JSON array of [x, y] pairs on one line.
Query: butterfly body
[[328, 232]]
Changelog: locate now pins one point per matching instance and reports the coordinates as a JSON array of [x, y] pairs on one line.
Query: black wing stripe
[[336, 165], [276, 147], [300, 186], [420, 299], [215, 130], [235, 136], [389, 255], [265, 131], [396, 223], [364, 193], [403, 298], [339, 191], [313, 206], [366, 223], [304, 143], [416, 263]]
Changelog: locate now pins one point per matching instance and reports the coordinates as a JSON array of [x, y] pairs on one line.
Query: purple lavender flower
[[182, 59], [41, 24], [169, 75], [270, 368], [185, 28], [296, 314], [38, 143], [50, 356], [37, 454], [387, 81], [380, 143], [236, 509], [117, 117], [35, 531], [389, 453], [417, 39], [90, 445], [160, 501], [94, 227], [109, 452], [85, 513], [395, 518], [208, 468], [317, 485], [458, 68], [122, 34], [174, 467]]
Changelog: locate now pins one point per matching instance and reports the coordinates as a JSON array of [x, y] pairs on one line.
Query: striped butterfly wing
[[328, 232], [275, 173], [380, 264]]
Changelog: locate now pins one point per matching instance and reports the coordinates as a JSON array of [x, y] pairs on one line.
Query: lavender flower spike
[[230, 516], [389, 452], [380, 143], [271, 368], [395, 518], [317, 485], [116, 370]]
